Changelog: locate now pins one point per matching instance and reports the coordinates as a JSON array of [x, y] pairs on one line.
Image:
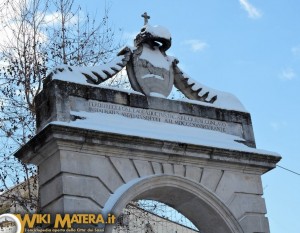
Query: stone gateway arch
[[189, 198], [99, 148]]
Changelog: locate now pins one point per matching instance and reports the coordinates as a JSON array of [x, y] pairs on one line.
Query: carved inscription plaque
[[165, 117]]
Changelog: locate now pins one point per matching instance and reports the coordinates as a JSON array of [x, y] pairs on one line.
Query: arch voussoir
[[198, 204]]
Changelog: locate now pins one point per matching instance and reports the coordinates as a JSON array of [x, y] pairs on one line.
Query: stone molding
[[88, 167], [56, 102], [150, 147], [83, 170], [224, 220]]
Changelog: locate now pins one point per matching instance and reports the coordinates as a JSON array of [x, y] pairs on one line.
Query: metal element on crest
[[146, 17]]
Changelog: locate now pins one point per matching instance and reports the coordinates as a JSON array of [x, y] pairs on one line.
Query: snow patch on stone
[[224, 100], [76, 73], [153, 76], [157, 31], [159, 130], [156, 58]]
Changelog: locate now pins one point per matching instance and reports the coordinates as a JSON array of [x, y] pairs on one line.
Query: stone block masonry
[[82, 170], [59, 98]]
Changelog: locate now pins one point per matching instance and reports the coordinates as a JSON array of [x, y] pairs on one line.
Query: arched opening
[[199, 205], [152, 216]]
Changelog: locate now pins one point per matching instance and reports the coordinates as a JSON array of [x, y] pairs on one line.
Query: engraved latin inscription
[[165, 117]]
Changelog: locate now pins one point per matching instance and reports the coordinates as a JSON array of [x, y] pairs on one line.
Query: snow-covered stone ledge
[[93, 142], [92, 106]]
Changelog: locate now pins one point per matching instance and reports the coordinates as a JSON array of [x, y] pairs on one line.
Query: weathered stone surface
[[242, 203], [143, 167], [193, 173], [53, 162], [95, 166], [150, 78], [81, 170], [179, 170], [157, 116], [167, 168], [157, 167], [253, 223], [51, 191], [59, 98], [86, 171], [232, 182], [90, 187], [211, 178], [72, 204], [125, 168]]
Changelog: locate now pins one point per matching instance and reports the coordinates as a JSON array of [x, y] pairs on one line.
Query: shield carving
[[151, 72]]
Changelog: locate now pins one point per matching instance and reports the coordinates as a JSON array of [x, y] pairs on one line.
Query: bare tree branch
[[30, 44]]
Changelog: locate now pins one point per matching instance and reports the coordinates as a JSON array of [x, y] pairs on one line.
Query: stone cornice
[[97, 142]]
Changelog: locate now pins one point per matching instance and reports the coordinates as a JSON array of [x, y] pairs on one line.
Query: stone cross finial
[[146, 17]]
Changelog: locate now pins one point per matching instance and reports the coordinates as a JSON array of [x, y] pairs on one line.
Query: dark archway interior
[[201, 214]]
